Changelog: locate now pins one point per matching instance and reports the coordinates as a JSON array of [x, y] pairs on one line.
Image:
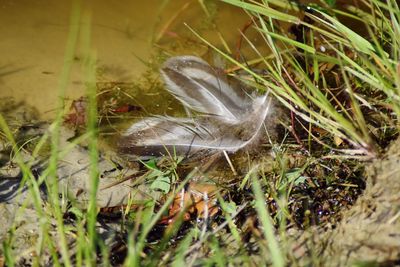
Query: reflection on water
[[34, 34]]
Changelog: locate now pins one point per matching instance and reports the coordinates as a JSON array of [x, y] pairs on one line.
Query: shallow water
[[34, 35]]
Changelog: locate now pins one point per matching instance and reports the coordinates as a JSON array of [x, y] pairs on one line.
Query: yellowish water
[[124, 33]]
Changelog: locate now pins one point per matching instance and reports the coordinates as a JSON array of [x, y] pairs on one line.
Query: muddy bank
[[369, 232]]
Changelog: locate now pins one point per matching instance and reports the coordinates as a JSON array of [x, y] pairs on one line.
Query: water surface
[[34, 35]]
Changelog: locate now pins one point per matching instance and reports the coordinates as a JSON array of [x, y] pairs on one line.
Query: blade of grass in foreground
[[52, 179], [267, 225], [92, 131]]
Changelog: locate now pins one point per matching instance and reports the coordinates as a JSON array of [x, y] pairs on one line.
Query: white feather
[[201, 88], [230, 121]]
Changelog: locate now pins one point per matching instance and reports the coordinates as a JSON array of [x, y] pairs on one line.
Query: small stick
[[240, 40], [294, 133], [135, 175], [170, 21], [293, 130], [205, 215], [230, 162]]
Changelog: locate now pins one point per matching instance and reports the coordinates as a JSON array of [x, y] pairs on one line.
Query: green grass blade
[[264, 10], [277, 258]]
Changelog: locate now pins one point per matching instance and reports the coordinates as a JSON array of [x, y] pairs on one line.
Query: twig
[[240, 40], [230, 163]]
